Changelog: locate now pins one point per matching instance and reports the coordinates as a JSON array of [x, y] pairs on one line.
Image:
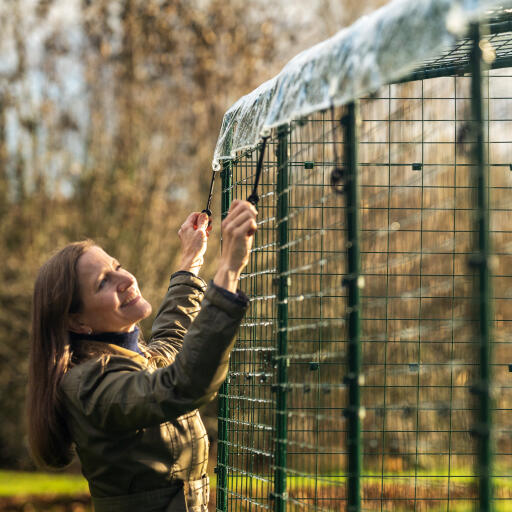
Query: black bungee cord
[[209, 202], [254, 197]]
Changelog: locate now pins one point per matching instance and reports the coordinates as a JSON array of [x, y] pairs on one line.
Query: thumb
[[202, 221]]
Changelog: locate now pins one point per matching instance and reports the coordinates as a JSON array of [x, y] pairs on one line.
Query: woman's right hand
[[238, 230], [194, 239]]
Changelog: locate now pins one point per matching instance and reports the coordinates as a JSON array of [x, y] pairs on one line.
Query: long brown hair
[[56, 295]]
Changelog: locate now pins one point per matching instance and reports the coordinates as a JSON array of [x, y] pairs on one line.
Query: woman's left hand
[[194, 239]]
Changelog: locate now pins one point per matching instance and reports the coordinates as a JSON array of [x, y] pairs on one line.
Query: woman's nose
[[126, 280]]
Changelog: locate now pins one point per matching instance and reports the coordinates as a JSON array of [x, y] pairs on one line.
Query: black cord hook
[[209, 202], [338, 173], [254, 197]]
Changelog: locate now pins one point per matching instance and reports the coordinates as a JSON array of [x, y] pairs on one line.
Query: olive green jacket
[[137, 430]]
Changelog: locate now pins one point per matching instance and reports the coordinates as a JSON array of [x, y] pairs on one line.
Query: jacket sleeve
[[122, 395], [180, 306]]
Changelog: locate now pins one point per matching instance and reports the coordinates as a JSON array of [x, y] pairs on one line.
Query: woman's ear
[[75, 325]]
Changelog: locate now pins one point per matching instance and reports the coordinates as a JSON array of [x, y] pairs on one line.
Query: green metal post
[[481, 262], [280, 494], [223, 411], [353, 413]]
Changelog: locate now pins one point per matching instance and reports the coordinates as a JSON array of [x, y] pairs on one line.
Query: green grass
[[425, 478], [18, 483]]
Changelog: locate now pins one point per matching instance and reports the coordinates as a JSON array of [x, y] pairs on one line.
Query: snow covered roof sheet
[[383, 47]]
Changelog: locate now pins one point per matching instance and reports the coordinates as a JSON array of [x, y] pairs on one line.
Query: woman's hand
[[194, 239], [238, 230]]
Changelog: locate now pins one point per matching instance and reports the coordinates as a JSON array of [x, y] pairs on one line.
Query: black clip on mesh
[[208, 203], [254, 197]]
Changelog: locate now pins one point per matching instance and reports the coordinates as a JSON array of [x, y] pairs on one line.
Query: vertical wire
[[301, 134], [241, 482], [234, 385], [222, 443], [452, 346], [261, 288], [257, 289], [486, 76], [418, 398], [245, 369], [280, 484], [244, 377], [319, 338], [257, 389], [239, 176], [270, 308], [246, 444], [275, 318], [384, 410]]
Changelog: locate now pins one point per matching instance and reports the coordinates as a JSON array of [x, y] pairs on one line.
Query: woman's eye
[[106, 277]]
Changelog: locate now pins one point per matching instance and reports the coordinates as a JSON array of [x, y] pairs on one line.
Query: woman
[[131, 410]]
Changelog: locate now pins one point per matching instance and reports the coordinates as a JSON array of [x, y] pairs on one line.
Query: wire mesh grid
[[496, 44], [286, 445]]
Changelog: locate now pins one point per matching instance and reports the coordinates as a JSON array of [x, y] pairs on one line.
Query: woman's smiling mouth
[[132, 300]]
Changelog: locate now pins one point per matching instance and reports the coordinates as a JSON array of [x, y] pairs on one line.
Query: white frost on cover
[[378, 49]]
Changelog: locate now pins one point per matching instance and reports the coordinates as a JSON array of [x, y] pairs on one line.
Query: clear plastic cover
[[378, 49]]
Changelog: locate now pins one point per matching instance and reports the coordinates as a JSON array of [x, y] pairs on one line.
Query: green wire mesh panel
[[251, 400], [419, 327], [499, 107], [316, 331], [286, 442]]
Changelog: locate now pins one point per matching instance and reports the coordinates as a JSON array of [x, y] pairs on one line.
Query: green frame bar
[[353, 280], [453, 70], [480, 261], [223, 405], [280, 494]]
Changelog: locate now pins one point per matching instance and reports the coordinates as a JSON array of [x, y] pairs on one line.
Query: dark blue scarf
[[128, 340]]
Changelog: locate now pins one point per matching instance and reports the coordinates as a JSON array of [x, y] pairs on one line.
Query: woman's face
[[111, 300]]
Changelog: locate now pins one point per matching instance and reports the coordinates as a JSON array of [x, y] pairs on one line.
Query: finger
[[240, 208], [234, 204], [246, 205], [200, 230], [192, 217], [191, 220], [237, 220], [248, 228], [200, 235], [250, 207]]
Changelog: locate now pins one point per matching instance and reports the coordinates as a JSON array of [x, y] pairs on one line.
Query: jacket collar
[[100, 347], [129, 340]]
